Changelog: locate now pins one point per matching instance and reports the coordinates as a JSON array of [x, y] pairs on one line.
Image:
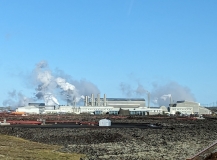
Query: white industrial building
[[188, 107], [134, 106], [29, 109], [127, 106]]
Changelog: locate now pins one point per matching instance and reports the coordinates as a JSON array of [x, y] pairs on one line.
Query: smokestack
[[92, 103], [86, 101], [148, 100], [98, 99], [104, 99], [171, 100], [74, 102]]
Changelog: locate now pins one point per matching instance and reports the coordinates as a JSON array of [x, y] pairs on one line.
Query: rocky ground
[[178, 139]]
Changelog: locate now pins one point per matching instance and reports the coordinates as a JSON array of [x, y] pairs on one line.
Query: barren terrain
[[178, 138]]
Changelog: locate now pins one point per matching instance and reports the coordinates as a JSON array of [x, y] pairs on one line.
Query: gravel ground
[[178, 139]]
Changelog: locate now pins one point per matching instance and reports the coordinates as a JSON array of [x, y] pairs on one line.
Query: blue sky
[[112, 42]]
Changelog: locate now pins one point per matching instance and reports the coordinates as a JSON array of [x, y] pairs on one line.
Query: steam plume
[[52, 86], [16, 99], [172, 90], [160, 95], [126, 89]]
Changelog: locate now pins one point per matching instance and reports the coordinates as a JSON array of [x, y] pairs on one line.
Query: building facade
[[188, 107]]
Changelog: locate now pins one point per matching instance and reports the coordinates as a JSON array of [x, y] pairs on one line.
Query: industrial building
[[29, 109], [114, 106], [130, 106], [188, 107]]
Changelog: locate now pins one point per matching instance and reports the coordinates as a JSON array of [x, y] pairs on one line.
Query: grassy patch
[[13, 148]]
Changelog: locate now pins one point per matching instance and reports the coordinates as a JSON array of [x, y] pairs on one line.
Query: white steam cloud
[[171, 90], [51, 87], [16, 99], [160, 94], [166, 96], [128, 91]]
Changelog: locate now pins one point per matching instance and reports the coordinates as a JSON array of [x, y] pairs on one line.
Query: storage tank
[[105, 122]]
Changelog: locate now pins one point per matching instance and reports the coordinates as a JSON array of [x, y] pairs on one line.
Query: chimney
[[92, 99], [86, 101], [98, 100], [104, 100]]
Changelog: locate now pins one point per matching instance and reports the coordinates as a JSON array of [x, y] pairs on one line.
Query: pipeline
[[207, 150]]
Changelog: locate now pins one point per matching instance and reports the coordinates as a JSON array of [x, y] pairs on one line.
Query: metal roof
[[36, 104], [124, 99]]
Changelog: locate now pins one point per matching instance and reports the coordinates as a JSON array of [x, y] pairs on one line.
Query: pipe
[[171, 100], [148, 100], [92, 103], [98, 99], [104, 99], [86, 101]]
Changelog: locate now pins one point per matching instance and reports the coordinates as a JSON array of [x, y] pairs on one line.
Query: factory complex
[[114, 106], [188, 107]]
